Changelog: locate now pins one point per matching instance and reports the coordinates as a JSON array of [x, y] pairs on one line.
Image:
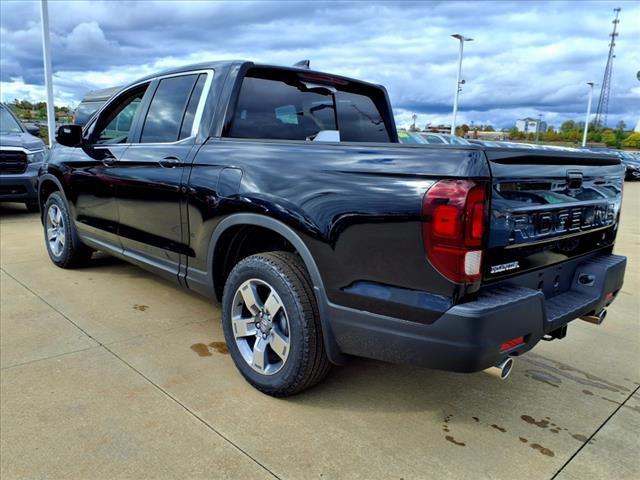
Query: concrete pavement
[[111, 372]]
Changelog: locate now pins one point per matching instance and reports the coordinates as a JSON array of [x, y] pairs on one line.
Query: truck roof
[[227, 64], [102, 94]]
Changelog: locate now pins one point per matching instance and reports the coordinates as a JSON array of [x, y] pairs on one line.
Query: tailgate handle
[[574, 179]]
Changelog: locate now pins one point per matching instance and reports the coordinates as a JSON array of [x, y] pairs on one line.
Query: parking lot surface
[[111, 372]]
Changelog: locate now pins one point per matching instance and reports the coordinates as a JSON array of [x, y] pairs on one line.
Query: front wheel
[[272, 326], [63, 247]]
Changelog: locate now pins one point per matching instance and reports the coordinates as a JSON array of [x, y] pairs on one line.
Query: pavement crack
[[193, 414], [29, 362], [595, 433], [52, 307], [158, 387]]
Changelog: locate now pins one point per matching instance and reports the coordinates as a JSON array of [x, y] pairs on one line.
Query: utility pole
[[459, 82], [605, 91], [586, 120], [46, 53]]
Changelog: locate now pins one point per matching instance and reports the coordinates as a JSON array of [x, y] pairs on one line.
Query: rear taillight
[[453, 225]]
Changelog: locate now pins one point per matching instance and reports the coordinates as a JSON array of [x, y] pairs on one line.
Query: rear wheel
[[272, 326], [63, 247]]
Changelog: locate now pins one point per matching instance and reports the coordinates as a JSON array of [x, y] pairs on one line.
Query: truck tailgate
[[548, 207]]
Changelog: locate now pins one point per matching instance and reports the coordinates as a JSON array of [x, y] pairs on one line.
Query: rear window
[[287, 105]]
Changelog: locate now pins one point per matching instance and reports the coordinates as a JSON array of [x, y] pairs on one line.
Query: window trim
[[197, 117]]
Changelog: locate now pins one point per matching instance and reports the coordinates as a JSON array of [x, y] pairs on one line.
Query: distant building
[[482, 135], [531, 125], [437, 129]]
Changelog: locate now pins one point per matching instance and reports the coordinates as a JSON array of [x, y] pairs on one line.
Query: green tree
[[594, 136], [632, 141], [550, 136], [609, 138], [567, 126]]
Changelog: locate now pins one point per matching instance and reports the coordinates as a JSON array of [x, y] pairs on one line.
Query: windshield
[[458, 141], [8, 124], [432, 138], [411, 138]]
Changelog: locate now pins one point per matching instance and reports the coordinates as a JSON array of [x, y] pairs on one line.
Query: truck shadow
[[15, 212]]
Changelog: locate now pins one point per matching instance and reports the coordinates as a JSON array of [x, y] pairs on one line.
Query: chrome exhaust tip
[[501, 370], [596, 319]]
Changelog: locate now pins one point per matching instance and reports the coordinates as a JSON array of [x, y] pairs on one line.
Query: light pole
[[586, 121], [46, 55], [459, 82]]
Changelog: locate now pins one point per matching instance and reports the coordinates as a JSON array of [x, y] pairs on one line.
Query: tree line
[[571, 131]]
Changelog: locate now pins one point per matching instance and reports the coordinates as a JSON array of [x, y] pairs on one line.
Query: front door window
[[114, 125]]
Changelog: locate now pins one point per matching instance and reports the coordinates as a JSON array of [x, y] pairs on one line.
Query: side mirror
[[69, 135], [33, 130]]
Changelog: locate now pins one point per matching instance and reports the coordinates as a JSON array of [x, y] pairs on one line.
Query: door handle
[[109, 161], [170, 162]]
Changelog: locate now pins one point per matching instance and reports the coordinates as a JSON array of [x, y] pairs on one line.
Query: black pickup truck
[[284, 193]]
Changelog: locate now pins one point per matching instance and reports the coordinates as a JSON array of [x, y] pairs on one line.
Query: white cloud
[[527, 57]]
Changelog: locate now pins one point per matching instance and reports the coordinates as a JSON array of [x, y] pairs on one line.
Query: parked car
[[91, 103], [21, 155], [443, 138], [484, 143], [411, 138], [632, 165], [284, 193]]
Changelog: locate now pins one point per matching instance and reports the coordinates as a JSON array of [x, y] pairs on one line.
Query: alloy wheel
[[56, 234], [260, 326]]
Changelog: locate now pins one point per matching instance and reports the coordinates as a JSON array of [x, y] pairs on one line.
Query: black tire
[[73, 253], [307, 362], [32, 207]]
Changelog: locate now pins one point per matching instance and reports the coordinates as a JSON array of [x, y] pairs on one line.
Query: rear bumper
[[468, 336], [20, 187]]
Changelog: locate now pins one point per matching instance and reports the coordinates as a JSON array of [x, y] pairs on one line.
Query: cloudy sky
[[527, 57]]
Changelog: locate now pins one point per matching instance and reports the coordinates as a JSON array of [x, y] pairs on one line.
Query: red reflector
[[511, 343], [609, 296]]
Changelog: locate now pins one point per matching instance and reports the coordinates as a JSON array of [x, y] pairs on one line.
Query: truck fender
[[333, 351]]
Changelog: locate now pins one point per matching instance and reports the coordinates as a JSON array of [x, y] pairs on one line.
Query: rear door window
[[167, 110]]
